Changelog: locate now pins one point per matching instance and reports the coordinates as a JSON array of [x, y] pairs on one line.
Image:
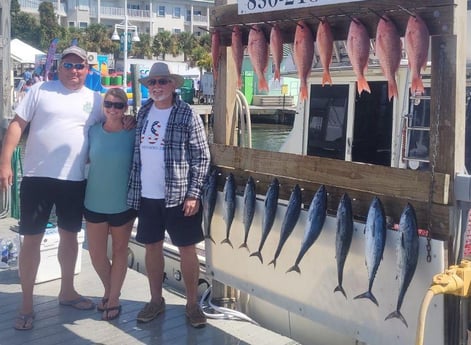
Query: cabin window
[[327, 121], [418, 139], [372, 131]]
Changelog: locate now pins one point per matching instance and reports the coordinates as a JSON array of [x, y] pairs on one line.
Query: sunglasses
[[152, 82], [77, 66], [116, 105]]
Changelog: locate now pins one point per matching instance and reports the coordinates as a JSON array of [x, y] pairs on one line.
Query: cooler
[[49, 268]]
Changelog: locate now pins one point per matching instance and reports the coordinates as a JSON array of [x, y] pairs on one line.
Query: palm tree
[[163, 44], [186, 43], [143, 48]]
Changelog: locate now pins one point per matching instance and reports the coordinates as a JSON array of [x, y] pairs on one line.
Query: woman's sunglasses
[[77, 66], [116, 105], [152, 82]]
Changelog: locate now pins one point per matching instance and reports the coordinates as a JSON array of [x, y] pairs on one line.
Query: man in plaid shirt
[[171, 161]]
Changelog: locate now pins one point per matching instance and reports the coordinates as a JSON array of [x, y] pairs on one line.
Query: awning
[[22, 52]]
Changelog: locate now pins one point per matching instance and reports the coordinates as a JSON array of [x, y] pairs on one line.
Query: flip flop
[[107, 310], [102, 308], [78, 303], [24, 322]]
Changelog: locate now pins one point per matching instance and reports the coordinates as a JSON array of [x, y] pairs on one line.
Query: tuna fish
[[315, 221], [271, 205], [407, 250], [209, 197], [249, 208], [325, 46], [276, 49], [258, 54], [388, 48], [343, 238], [358, 50], [289, 221], [229, 205], [303, 53], [416, 45], [215, 44], [375, 240], [237, 52]]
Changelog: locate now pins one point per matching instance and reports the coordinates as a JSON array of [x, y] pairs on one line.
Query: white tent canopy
[[22, 52]]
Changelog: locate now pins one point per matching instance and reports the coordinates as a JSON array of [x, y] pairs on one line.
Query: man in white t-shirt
[[59, 113]]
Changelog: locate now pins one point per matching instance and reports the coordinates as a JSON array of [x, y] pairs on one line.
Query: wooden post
[[5, 66], [136, 89]]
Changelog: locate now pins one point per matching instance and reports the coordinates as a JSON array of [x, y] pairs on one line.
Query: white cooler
[[49, 268]]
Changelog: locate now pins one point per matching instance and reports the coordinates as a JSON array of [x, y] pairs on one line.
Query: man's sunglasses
[[77, 66], [116, 105], [152, 82]]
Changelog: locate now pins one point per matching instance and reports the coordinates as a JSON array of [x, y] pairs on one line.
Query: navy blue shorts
[[155, 218], [39, 194], [113, 219]]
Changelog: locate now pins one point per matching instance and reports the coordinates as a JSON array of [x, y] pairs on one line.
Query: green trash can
[[105, 80], [187, 94]]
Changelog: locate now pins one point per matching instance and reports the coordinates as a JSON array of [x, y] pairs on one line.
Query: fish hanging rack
[[438, 16]]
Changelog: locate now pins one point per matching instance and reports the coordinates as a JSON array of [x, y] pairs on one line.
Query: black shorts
[[39, 194], [155, 218], [113, 219]]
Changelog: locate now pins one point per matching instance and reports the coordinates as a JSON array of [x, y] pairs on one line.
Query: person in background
[[171, 161], [106, 211], [59, 113]]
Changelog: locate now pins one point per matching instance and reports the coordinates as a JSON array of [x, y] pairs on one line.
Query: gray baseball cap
[[75, 50]]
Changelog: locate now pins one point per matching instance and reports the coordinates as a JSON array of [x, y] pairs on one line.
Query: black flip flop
[[107, 310]]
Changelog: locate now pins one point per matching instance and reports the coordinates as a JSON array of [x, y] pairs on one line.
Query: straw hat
[[160, 70]]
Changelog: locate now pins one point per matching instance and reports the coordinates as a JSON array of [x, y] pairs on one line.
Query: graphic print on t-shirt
[[154, 137]]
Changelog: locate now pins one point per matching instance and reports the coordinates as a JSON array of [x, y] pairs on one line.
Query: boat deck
[[56, 324]]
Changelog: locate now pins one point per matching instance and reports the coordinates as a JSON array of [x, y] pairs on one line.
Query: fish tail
[[277, 75], [397, 314], [340, 288], [228, 241], [244, 245], [392, 89], [272, 262], [262, 84], [210, 238], [258, 255], [239, 82], [326, 78], [417, 86], [363, 85], [295, 267], [368, 294], [303, 91]]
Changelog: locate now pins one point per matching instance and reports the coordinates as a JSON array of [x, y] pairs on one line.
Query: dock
[[55, 324]]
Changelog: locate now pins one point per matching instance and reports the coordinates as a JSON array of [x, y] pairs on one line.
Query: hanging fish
[[343, 238], [249, 208], [229, 205], [303, 54], [416, 39], [215, 44], [375, 240], [289, 221], [388, 48], [325, 46], [315, 221], [237, 52], [258, 54], [269, 214], [407, 251], [209, 203], [358, 50], [276, 49]]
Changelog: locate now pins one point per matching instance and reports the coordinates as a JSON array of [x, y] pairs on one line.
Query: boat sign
[[257, 6]]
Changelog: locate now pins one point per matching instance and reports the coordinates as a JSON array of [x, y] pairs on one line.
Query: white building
[[150, 16]]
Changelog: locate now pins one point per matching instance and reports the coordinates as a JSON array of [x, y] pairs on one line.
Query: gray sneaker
[[150, 311], [195, 315]]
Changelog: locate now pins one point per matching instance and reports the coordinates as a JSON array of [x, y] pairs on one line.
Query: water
[[269, 137]]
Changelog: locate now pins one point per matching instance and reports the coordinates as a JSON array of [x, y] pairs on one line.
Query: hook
[[407, 11], [379, 15]]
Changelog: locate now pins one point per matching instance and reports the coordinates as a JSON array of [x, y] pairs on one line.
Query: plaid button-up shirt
[[186, 155]]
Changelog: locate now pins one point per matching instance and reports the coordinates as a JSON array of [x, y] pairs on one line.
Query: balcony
[[118, 13], [31, 6]]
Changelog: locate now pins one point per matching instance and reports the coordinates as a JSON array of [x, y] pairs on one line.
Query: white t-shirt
[[152, 153], [57, 144]]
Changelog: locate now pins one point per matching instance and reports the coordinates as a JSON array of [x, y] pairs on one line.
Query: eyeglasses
[[116, 105], [152, 82], [77, 66]]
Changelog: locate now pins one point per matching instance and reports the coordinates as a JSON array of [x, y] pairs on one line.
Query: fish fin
[[326, 78], [303, 92], [363, 85], [228, 241], [392, 89], [272, 262], [417, 85], [369, 295], [277, 75], [397, 314], [262, 84], [258, 255], [244, 245], [210, 238], [340, 288], [294, 268]]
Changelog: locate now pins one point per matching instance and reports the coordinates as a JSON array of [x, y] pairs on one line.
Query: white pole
[[125, 50]]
